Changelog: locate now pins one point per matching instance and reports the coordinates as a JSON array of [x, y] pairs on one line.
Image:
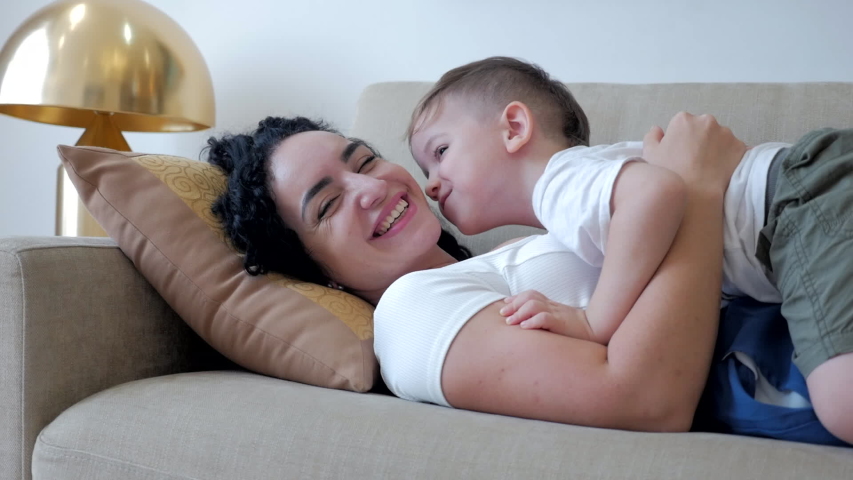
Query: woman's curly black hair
[[248, 212]]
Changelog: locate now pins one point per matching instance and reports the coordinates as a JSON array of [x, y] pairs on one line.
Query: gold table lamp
[[107, 66]]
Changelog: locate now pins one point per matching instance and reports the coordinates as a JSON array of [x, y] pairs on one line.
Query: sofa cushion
[[226, 425], [157, 208]]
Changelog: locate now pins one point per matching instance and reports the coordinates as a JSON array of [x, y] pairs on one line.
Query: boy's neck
[[531, 166]]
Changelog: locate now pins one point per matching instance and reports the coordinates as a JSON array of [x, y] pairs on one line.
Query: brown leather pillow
[[157, 208]]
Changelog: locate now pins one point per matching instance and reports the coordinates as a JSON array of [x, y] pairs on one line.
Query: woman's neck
[[434, 258]]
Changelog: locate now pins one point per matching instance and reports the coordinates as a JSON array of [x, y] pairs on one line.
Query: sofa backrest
[[756, 112]]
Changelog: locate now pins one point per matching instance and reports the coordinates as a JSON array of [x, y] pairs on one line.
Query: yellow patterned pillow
[[157, 208]]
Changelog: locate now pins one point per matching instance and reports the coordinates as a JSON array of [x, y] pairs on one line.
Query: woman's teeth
[[391, 218]]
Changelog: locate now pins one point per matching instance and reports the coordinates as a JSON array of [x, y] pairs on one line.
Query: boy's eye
[[440, 151]]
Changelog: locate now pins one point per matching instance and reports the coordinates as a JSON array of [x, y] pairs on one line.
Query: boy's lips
[[442, 199]]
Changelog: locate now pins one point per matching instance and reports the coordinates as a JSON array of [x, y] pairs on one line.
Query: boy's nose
[[433, 188]]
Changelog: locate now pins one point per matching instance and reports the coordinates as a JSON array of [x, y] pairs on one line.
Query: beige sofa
[[100, 379]]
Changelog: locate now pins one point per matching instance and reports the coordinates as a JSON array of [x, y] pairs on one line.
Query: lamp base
[[72, 217]]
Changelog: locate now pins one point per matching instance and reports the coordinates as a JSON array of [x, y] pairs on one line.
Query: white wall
[[313, 57]]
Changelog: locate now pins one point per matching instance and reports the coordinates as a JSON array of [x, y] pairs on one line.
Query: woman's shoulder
[[421, 282], [415, 322], [435, 287], [437, 290]]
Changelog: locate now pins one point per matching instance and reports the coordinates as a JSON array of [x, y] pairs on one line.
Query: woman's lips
[[401, 221]]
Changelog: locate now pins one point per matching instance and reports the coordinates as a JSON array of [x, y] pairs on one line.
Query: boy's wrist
[[589, 333]]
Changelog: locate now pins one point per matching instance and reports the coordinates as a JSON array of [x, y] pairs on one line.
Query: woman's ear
[[517, 126]]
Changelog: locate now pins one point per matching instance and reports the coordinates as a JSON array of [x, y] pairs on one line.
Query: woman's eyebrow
[[312, 192], [351, 148]]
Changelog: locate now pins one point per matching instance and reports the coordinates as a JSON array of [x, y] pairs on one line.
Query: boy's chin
[[470, 229], [467, 224]]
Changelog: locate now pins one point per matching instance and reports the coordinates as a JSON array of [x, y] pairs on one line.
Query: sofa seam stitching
[[23, 383], [33, 248], [95, 458], [23, 368]]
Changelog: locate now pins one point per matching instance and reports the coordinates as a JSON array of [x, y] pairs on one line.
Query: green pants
[[808, 245]]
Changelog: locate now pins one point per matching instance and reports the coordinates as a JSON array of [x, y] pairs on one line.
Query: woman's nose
[[369, 190]]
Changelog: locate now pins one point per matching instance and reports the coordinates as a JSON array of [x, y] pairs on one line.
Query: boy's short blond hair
[[497, 81]]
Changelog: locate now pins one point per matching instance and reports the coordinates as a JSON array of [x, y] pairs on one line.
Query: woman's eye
[[369, 160], [325, 208]]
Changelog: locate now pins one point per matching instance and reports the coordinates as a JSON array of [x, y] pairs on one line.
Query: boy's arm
[[647, 205]]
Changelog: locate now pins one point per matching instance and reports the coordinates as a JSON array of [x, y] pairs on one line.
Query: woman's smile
[[394, 218]]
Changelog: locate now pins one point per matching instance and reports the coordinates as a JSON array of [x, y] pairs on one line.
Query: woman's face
[[364, 219]]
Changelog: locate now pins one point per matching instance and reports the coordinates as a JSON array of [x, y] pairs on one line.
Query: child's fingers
[[518, 317], [541, 321], [528, 310], [654, 136], [515, 302], [526, 296], [652, 140], [508, 310], [514, 319]]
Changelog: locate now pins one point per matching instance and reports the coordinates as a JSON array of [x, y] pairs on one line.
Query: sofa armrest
[[76, 318]]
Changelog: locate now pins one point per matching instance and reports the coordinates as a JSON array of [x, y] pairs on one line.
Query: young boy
[[502, 143]]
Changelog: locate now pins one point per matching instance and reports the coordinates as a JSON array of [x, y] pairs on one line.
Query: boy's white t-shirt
[[420, 314], [572, 200]]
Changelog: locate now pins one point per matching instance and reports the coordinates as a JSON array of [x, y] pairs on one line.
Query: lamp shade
[[74, 60]]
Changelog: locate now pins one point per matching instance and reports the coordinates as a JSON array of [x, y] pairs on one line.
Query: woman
[[297, 188]]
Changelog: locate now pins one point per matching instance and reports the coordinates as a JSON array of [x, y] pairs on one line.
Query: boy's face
[[460, 151]]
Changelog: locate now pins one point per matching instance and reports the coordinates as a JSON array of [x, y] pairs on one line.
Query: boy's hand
[[532, 310]]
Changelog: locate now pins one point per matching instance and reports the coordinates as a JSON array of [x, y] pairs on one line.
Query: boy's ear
[[517, 123]]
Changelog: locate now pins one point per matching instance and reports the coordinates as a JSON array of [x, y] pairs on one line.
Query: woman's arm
[[652, 373]]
